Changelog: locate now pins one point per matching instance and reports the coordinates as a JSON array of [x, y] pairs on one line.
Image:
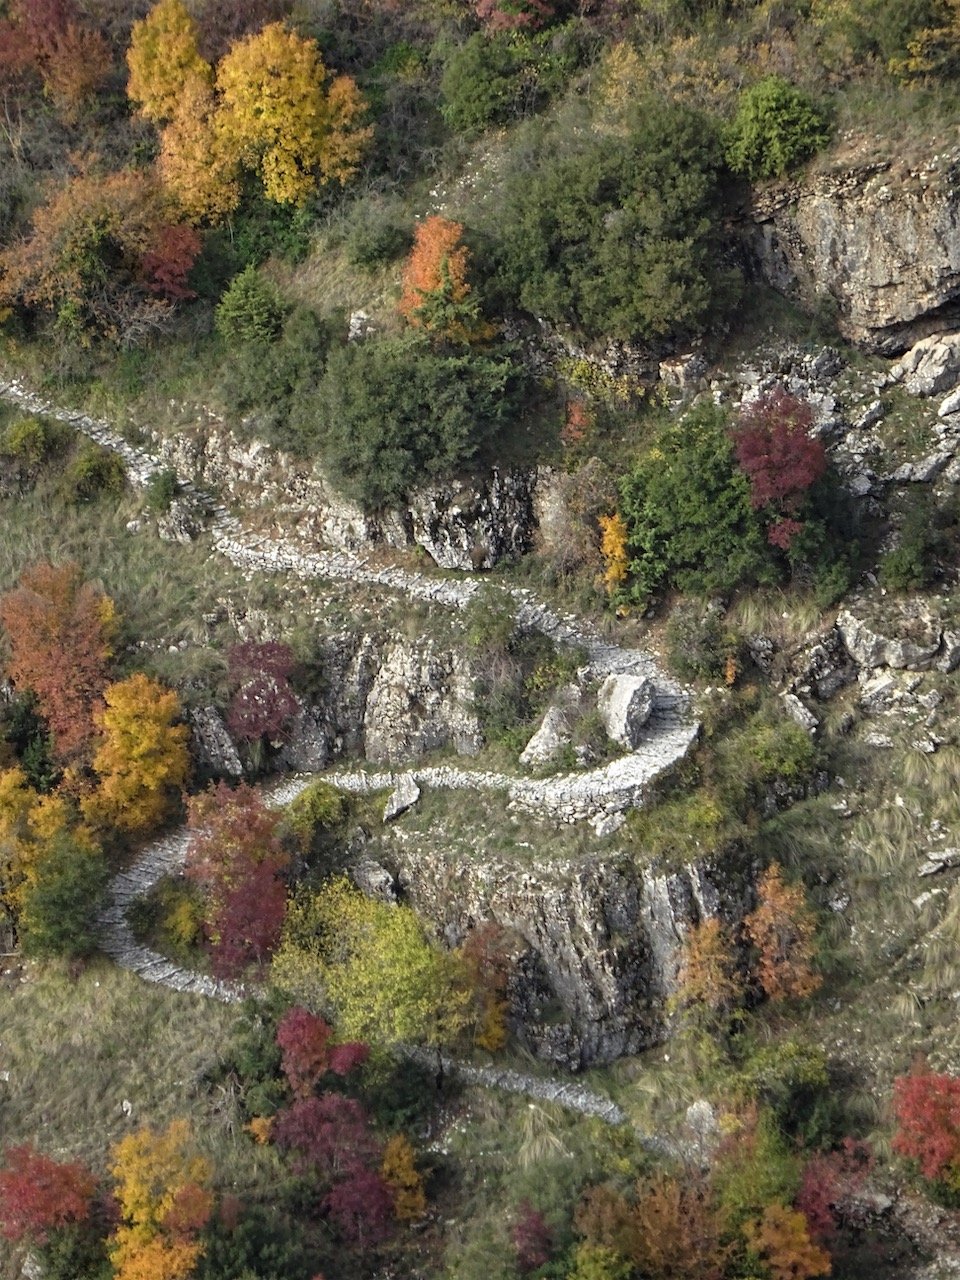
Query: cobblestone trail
[[606, 790]]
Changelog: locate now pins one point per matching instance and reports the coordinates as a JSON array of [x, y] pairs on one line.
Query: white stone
[[799, 713], [403, 797], [950, 405], [625, 703], [551, 736]]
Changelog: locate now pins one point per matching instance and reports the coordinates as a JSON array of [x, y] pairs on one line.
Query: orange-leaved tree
[[399, 1171], [781, 1238], [142, 760], [60, 630], [708, 976], [164, 59], [162, 1190], [437, 296], [277, 116], [783, 928], [197, 167], [83, 258]]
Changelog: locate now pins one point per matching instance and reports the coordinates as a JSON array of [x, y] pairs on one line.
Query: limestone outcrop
[[603, 937], [879, 237], [468, 525]]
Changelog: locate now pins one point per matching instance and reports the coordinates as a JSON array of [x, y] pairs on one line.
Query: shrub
[[61, 903], [29, 441], [250, 310], [396, 413], [162, 488], [690, 520], [320, 806], [928, 532], [776, 127], [379, 236], [780, 459], [616, 234], [782, 928], [94, 473], [927, 1108], [481, 84], [699, 646]]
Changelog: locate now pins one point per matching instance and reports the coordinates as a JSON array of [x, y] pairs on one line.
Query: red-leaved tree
[[927, 1108], [167, 264], [329, 1135], [780, 459], [39, 1195], [361, 1207], [829, 1179], [235, 855], [263, 702], [308, 1055], [532, 1238], [515, 15]]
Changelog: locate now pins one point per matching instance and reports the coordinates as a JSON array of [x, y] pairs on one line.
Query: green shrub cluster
[[617, 235], [776, 128], [689, 518], [94, 473], [396, 412], [250, 310]]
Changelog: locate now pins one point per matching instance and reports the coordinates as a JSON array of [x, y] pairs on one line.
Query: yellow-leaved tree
[[162, 1189], [373, 967], [196, 165], [277, 116], [142, 760], [164, 60]]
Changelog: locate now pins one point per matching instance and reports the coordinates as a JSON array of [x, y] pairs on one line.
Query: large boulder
[[906, 636], [931, 366], [625, 703]]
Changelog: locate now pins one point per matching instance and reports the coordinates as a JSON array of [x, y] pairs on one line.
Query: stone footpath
[[166, 857], [596, 794]]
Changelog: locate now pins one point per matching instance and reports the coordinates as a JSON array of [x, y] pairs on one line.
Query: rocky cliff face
[[602, 938], [880, 237], [472, 524], [384, 699]]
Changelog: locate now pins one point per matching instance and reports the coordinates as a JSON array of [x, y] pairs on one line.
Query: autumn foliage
[[162, 1189], [708, 975], [927, 1109], [437, 295], [514, 15], [236, 857], [84, 259], [142, 760], [781, 1238], [308, 1055], [39, 1195], [399, 1171], [163, 59], [668, 1230], [782, 930], [277, 117], [780, 459], [60, 630]]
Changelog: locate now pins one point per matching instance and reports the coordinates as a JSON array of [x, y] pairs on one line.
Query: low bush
[[250, 310], [690, 521], [394, 413], [776, 128], [94, 473], [617, 234], [162, 488]]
